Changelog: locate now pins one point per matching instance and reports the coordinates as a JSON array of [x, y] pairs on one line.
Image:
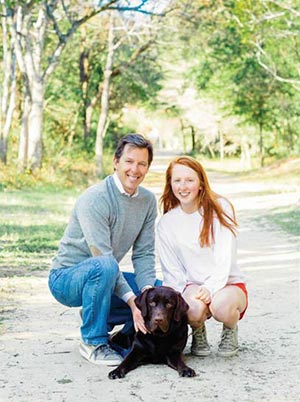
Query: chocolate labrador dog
[[164, 312]]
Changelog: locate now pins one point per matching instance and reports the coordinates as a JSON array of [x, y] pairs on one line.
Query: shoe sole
[[99, 362], [227, 354], [201, 354]]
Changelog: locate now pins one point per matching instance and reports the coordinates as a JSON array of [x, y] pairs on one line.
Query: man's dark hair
[[136, 141]]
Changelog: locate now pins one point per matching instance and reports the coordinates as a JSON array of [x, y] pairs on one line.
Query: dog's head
[[160, 306]]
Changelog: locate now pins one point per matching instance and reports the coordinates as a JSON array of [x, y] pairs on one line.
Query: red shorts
[[242, 286]]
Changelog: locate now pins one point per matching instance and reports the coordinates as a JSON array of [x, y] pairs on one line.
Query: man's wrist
[[127, 296]]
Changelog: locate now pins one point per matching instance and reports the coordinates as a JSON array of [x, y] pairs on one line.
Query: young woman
[[197, 249]]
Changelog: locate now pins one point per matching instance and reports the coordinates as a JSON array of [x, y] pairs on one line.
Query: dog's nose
[[158, 320]]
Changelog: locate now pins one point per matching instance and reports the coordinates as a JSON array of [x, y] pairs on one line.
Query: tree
[[244, 58], [254, 90], [30, 25], [110, 72], [127, 73], [275, 31], [8, 93]]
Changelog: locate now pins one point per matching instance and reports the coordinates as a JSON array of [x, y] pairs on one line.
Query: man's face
[[132, 167]]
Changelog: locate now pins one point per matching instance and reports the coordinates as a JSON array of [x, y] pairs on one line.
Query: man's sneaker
[[100, 354], [200, 346], [229, 344]]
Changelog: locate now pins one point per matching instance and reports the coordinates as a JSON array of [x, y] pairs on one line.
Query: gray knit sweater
[[112, 222]]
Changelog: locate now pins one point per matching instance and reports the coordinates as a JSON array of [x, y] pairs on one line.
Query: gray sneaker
[[100, 354], [200, 346], [229, 344]]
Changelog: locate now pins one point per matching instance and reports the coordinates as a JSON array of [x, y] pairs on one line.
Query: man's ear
[[115, 162]]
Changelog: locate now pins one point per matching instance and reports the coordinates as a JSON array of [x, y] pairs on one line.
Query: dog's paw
[[113, 375], [187, 372]]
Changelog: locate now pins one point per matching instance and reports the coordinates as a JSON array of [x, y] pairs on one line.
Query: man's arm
[[93, 215]]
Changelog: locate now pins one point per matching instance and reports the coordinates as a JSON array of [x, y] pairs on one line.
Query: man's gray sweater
[[111, 222]]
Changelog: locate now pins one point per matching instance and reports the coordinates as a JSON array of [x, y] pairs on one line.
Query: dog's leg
[[131, 361], [175, 361]]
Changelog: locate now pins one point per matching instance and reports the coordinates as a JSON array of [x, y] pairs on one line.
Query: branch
[[63, 38], [285, 7], [119, 69], [272, 70], [91, 12], [138, 8]]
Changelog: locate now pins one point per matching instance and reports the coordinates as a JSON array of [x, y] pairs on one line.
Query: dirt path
[[39, 348]]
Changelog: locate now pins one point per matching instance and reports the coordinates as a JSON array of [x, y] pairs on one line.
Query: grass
[[288, 219], [31, 224]]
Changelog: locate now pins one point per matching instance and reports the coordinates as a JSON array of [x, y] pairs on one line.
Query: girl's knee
[[224, 313], [197, 313]]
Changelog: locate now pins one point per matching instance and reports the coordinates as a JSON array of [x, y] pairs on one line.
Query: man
[[107, 221]]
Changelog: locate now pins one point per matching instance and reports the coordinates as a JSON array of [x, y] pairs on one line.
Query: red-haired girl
[[197, 249]]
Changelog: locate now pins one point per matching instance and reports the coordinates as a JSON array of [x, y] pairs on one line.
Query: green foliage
[[114, 133], [62, 171], [229, 66], [253, 90], [138, 83], [210, 43]]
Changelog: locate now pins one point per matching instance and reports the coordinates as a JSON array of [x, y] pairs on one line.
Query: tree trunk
[[245, 154], [261, 145], [84, 80], [101, 127], [193, 134], [28, 37], [35, 125], [221, 136], [8, 93], [23, 142]]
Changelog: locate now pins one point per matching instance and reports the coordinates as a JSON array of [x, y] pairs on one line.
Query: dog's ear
[[141, 302], [181, 308]]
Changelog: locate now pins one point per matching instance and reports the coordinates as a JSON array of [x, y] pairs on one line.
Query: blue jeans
[[91, 284]]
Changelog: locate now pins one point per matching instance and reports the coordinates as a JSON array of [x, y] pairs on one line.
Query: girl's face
[[185, 185]]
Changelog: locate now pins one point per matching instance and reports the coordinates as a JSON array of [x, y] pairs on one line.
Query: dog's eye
[[169, 305], [152, 304]]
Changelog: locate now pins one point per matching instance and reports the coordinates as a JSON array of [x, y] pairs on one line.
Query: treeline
[[248, 58], [65, 64], [69, 68]]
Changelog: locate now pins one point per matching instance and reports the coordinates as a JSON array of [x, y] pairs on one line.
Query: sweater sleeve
[[223, 251], [94, 220], [143, 250], [172, 269]]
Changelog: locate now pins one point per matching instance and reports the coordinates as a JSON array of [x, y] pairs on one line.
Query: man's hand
[[138, 320], [204, 295]]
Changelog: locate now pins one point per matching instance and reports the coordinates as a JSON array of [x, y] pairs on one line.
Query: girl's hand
[[204, 295], [138, 320]]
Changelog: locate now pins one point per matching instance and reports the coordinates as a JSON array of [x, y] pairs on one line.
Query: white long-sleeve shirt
[[184, 261]]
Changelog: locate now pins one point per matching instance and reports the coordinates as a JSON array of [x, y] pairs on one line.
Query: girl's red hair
[[208, 200]]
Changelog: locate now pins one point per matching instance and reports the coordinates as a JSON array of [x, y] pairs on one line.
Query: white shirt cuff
[[127, 296], [146, 287]]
